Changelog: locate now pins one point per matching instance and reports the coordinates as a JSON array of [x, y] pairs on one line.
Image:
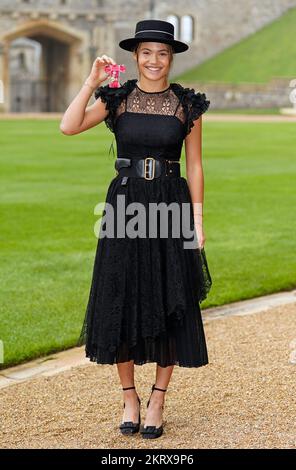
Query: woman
[[145, 292]]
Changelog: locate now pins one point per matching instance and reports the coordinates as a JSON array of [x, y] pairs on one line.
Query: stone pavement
[[244, 397]]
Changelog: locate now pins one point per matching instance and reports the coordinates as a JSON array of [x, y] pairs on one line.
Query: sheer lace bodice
[[140, 119], [183, 103], [164, 103]]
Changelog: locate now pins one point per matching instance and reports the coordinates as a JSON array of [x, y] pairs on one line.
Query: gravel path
[[245, 397]]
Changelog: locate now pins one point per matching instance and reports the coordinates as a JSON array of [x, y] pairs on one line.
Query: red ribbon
[[114, 71]]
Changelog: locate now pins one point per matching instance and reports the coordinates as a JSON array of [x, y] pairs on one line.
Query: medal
[[114, 71]]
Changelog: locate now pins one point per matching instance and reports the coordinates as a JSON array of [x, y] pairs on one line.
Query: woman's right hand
[[98, 74]]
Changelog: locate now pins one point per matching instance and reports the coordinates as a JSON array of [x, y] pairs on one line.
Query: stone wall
[[217, 23], [88, 28], [275, 94]]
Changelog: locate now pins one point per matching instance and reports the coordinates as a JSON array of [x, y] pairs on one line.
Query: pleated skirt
[[145, 293]]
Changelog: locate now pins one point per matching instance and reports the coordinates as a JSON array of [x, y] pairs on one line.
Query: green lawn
[[268, 53], [50, 184], [245, 111]]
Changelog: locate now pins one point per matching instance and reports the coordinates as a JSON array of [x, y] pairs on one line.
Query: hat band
[[153, 31]]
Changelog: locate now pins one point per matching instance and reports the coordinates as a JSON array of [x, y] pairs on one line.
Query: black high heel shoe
[[128, 427], [152, 432]]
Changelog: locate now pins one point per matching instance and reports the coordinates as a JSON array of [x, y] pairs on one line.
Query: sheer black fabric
[[145, 292], [184, 103]]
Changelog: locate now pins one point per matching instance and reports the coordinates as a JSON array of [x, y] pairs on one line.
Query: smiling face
[[154, 60]]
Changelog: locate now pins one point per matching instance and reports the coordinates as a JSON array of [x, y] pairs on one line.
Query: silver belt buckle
[[147, 168]]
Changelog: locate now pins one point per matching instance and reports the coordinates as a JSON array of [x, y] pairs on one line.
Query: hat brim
[[130, 43]]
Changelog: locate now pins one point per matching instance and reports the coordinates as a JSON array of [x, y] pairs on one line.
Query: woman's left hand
[[199, 232]]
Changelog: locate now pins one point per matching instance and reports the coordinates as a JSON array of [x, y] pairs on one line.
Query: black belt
[[148, 168]]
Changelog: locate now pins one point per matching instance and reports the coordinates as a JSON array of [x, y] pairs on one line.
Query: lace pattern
[[184, 103], [145, 293]]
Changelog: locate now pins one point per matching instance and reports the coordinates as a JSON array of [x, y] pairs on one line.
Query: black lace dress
[[145, 292]]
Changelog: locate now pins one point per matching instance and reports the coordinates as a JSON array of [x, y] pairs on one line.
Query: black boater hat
[[156, 31]]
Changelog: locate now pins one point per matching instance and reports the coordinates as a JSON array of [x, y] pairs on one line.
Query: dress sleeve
[[195, 104], [107, 96], [112, 97]]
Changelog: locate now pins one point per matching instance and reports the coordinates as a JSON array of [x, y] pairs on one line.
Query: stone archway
[[64, 62]]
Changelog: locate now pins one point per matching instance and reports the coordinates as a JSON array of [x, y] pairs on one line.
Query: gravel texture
[[244, 398]]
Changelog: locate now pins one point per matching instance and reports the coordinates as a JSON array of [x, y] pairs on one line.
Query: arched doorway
[[43, 62]]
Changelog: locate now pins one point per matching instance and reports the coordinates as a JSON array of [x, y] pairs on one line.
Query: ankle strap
[[128, 388], [156, 388]]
